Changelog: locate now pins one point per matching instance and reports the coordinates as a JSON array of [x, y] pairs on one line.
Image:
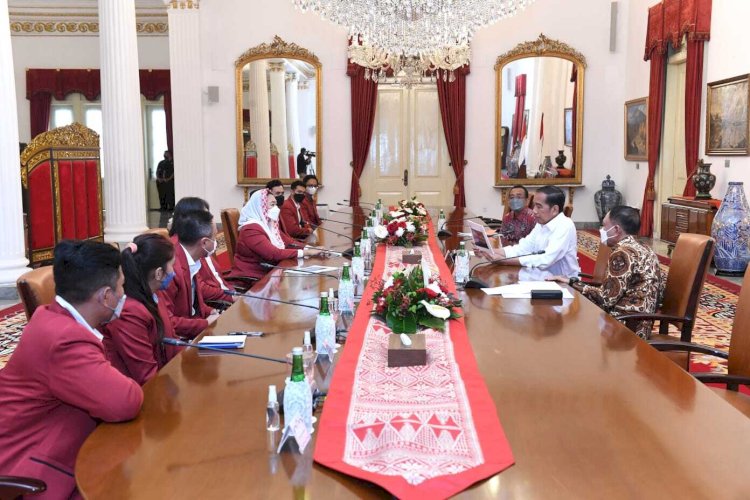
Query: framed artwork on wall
[[568, 126], [636, 129], [728, 116]]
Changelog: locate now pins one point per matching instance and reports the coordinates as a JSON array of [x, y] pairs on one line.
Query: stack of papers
[[523, 290], [311, 269], [223, 341]]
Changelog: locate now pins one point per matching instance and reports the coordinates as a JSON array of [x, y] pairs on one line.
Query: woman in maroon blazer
[[309, 207], [133, 342], [260, 239]]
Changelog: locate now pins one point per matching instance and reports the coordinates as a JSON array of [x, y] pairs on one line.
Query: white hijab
[[255, 211]]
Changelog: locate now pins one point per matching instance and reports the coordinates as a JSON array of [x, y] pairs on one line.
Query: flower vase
[[606, 198], [561, 158], [703, 180], [731, 230]]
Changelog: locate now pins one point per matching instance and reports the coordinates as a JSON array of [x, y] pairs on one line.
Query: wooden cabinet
[[686, 215]]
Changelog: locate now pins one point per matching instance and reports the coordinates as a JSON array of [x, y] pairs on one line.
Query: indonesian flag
[[541, 142]]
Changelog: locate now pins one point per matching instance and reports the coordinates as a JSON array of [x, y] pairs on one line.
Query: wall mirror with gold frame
[[278, 96], [539, 114]]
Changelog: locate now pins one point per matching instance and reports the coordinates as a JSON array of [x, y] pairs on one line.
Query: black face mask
[[299, 197], [279, 200]]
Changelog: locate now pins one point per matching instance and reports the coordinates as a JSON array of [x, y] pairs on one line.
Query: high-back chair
[[600, 267], [161, 231], [36, 288], [230, 221], [738, 356]]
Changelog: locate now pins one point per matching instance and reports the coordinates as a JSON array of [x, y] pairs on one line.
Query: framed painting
[[568, 126], [636, 129], [728, 116]]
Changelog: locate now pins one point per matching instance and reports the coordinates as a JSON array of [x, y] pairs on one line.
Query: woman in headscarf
[[260, 240]]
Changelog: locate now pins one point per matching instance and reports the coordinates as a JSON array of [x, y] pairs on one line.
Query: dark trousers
[[166, 194]]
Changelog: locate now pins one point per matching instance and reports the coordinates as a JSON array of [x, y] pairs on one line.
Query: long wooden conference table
[[589, 409]]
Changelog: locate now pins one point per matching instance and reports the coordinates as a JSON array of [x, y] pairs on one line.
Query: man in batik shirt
[[633, 283], [520, 220]]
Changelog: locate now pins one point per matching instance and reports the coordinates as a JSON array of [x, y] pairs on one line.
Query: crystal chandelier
[[413, 38]]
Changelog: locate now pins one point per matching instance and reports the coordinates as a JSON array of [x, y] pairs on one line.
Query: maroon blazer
[[177, 298], [209, 285], [131, 341], [290, 220], [310, 210], [254, 247], [54, 389]]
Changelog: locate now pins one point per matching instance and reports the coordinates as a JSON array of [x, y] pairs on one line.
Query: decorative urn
[[561, 158], [731, 230], [703, 180], [606, 198]]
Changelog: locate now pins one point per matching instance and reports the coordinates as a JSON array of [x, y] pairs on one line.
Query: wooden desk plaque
[[401, 355], [411, 258]]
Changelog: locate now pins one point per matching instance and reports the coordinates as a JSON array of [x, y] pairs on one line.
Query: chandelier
[[412, 38]]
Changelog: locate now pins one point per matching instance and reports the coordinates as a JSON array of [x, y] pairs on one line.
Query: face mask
[[299, 197], [117, 310], [166, 281], [516, 204], [279, 200], [273, 213], [604, 235], [311, 190], [209, 253]]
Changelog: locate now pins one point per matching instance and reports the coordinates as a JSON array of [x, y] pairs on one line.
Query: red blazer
[[177, 298], [290, 220], [253, 247], [54, 389], [208, 283], [131, 341], [310, 210]]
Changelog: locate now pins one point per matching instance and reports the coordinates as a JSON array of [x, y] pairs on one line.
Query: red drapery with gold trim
[[518, 122], [574, 116], [693, 90], [364, 102], [452, 99]]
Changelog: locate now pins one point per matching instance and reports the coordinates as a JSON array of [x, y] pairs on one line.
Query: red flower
[[431, 294], [402, 224], [392, 227]]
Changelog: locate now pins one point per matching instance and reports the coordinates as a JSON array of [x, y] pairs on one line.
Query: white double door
[[408, 154]]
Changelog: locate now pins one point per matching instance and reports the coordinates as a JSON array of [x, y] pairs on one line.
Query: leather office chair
[[15, 487], [738, 356], [600, 267], [230, 222], [36, 288], [687, 273]]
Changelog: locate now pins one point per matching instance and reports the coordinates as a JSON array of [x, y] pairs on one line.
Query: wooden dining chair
[[230, 222], [600, 266], [36, 288], [738, 356], [161, 231], [16, 487]]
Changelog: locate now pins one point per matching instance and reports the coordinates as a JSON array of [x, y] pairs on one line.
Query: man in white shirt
[[555, 234]]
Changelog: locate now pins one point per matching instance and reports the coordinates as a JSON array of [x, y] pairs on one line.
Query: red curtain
[[452, 99], [520, 106], [363, 104], [40, 107], [657, 85], [574, 113], [693, 90]]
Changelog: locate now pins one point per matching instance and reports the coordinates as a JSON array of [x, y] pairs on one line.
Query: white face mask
[[604, 234], [117, 310], [273, 213], [211, 252], [311, 190]]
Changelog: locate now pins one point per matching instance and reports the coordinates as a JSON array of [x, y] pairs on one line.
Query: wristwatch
[[572, 281]]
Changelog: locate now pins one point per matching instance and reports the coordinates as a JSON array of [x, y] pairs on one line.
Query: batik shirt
[[633, 283], [516, 225]]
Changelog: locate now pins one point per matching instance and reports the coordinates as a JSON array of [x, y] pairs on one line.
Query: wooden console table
[[686, 215]]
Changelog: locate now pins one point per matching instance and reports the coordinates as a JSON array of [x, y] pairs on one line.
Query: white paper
[[237, 341], [523, 289], [311, 269]]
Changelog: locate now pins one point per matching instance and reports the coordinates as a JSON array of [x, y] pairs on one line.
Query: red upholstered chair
[[292, 169], [274, 161], [62, 189], [251, 160]]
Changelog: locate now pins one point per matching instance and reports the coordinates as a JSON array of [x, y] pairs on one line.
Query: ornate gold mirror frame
[[277, 49], [541, 47]]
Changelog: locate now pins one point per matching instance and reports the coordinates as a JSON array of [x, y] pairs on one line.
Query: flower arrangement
[[412, 207], [401, 229], [405, 303]]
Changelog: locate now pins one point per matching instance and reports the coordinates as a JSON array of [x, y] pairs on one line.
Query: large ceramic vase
[[606, 198], [731, 230], [561, 158], [703, 180]]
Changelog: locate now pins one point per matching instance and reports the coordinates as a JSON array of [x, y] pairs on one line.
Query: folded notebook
[[223, 341]]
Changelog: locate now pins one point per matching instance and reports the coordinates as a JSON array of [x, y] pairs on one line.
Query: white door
[[408, 154]]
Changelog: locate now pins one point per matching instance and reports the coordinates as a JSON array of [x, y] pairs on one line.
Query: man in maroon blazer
[[196, 239], [293, 221], [58, 382]]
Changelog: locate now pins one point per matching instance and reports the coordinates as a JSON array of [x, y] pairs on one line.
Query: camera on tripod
[[310, 154]]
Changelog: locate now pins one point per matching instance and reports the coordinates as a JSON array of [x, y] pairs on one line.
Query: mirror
[[278, 114], [539, 114]]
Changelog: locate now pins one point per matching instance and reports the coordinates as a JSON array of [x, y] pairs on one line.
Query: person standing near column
[[165, 182]]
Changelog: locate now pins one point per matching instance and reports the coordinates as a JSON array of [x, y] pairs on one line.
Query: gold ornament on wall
[[277, 48]]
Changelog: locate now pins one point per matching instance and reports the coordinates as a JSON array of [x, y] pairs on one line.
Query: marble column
[[191, 177], [278, 114], [292, 114], [259, 124], [12, 246], [122, 123]]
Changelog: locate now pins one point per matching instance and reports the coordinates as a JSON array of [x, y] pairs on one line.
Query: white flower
[[381, 232], [388, 283], [395, 214], [410, 227], [421, 211], [400, 232], [435, 310], [435, 288], [408, 210]]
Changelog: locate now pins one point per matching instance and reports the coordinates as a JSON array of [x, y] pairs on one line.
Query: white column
[[187, 97], [292, 114], [12, 246], [278, 113], [259, 125], [122, 124]]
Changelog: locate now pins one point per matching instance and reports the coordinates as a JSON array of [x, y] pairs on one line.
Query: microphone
[[444, 232], [293, 270], [182, 343], [361, 203], [238, 294], [322, 249], [346, 253], [343, 222], [477, 283]]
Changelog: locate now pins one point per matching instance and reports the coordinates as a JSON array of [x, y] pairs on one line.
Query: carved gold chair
[[274, 161], [251, 160], [292, 167]]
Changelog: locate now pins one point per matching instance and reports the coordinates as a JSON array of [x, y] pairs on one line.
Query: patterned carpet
[[712, 328]]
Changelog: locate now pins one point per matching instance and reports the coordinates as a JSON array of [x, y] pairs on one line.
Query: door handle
[[406, 177]]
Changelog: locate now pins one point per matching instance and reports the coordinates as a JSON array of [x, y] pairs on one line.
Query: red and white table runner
[[428, 431]]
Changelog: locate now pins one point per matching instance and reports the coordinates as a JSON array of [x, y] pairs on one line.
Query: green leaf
[[406, 324], [429, 321]]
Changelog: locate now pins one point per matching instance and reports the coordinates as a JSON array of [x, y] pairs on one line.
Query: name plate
[[401, 355]]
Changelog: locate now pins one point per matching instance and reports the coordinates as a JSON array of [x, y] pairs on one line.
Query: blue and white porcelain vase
[[731, 230]]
